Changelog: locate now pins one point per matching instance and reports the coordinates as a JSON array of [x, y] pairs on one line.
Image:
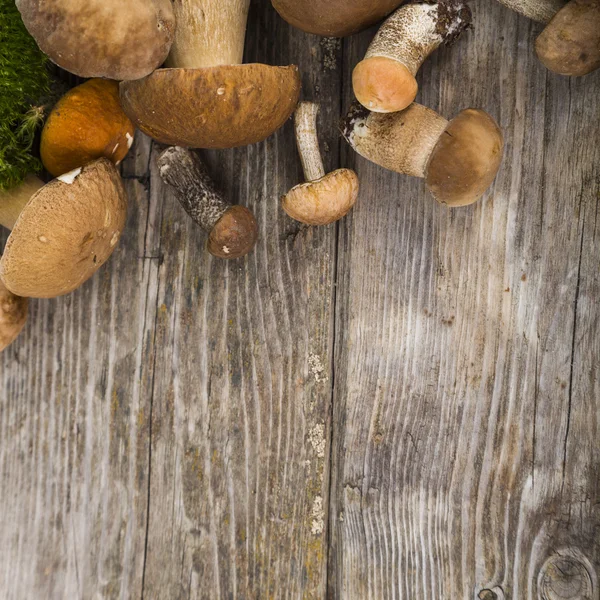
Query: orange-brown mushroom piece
[[570, 43], [102, 38], [323, 198], [87, 123], [384, 81], [61, 232], [206, 98], [232, 229], [13, 314], [458, 159]]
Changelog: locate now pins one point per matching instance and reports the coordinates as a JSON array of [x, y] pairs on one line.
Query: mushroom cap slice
[[65, 233], [570, 43], [13, 314], [334, 18], [234, 234], [323, 201], [466, 158], [213, 107], [87, 123], [102, 38]]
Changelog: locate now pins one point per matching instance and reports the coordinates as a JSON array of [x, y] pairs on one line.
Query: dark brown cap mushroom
[[384, 81], [334, 18], [102, 38], [13, 314], [570, 43], [62, 232], [232, 229], [324, 198], [458, 159], [207, 99]]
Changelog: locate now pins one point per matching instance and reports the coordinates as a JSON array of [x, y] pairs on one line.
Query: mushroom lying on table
[[207, 99], [334, 18], [87, 123], [384, 81], [102, 38], [232, 229], [458, 159], [61, 232], [324, 198], [570, 43], [13, 314]]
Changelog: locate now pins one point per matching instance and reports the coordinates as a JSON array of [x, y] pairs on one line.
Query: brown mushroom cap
[[102, 38], [466, 158], [65, 233], [213, 107], [87, 123], [13, 314], [234, 234], [323, 201], [334, 18], [570, 43]]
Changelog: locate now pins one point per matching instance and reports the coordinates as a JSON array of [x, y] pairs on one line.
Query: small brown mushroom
[[570, 43], [87, 123], [232, 229], [62, 232], [13, 314], [458, 159], [334, 18], [384, 81], [102, 38], [207, 99], [324, 198]]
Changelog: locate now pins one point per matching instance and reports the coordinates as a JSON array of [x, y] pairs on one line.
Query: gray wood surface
[[404, 405]]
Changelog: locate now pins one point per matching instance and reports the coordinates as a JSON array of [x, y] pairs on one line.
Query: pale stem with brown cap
[[13, 201], [537, 10], [305, 121], [209, 33]]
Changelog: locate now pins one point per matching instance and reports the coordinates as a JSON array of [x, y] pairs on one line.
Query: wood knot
[[565, 578]]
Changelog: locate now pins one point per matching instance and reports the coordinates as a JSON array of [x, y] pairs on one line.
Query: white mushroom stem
[[209, 33], [307, 140], [13, 201], [537, 10]]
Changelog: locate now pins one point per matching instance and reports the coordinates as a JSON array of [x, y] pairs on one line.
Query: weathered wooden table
[[403, 405]]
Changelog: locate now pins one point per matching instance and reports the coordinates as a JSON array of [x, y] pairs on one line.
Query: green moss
[[24, 80]]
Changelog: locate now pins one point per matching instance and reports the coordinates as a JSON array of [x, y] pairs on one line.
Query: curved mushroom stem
[[537, 10], [305, 121], [13, 314], [209, 33], [13, 201], [401, 142]]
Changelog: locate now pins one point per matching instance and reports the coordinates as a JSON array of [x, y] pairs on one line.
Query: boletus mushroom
[[384, 81], [232, 229], [102, 38], [459, 159], [323, 198], [87, 123], [61, 232], [334, 18], [206, 98], [570, 42], [13, 314]]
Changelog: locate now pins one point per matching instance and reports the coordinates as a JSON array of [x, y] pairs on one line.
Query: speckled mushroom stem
[[414, 31], [13, 314], [186, 173], [13, 201], [305, 121], [415, 131], [537, 10], [209, 33]]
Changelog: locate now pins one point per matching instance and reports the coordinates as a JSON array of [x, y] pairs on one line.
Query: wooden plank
[[74, 408], [466, 401], [242, 395]]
